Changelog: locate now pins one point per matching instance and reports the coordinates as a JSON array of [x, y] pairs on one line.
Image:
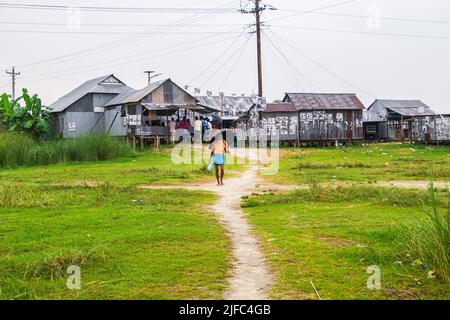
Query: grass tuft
[[428, 243]]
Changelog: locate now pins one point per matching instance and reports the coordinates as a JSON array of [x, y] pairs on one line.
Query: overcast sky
[[339, 49]]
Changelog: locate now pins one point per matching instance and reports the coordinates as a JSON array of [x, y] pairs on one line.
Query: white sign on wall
[[134, 120], [72, 126]]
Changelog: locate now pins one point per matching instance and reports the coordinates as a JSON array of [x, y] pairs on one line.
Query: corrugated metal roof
[[406, 108], [135, 96], [281, 107], [234, 106], [324, 101], [91, 86]]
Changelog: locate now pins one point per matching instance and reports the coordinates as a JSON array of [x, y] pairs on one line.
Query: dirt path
[[251, 277]]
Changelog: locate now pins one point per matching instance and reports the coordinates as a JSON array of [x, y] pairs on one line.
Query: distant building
[[230, 107], [145, 113], [81, 111], [406, 119], [327, 118], [107, 105], [443, 127], [277, 119], [375, 127]]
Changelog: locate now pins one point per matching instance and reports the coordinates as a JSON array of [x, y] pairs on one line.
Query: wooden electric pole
[[151, 76], [258, 8], [13, 74], [258, 47]]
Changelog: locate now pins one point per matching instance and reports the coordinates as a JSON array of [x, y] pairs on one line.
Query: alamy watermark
[[73, 21], [247, 146], [74, 280], [373, 21], [374, 280]]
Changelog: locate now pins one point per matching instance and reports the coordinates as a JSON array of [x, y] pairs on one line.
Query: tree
[[32, 118]]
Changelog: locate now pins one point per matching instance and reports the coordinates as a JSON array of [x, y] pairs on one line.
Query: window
[[168, 92]]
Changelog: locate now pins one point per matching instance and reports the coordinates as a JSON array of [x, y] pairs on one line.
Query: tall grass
[[428, 243], [20, 150]]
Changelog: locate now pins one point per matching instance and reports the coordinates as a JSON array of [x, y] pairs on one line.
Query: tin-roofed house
[[407, 119], [144, 114], [443, 127], [230, 107], [277, 119], [81, 111], [328, 118]]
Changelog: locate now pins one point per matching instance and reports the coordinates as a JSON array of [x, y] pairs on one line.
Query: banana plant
[[31, 117]]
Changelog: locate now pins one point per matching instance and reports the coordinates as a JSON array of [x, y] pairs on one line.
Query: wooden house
[[145, 113], [328, 118], [81, 111], [410, 120]]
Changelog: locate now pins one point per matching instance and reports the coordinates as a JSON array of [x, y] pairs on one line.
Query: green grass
[[146, 167], [380, 162], [330, 236], [20, 150], [129, 243]]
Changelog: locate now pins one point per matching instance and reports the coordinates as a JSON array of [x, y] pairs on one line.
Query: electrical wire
[[134, 61], [222, 54], [157, 50], [277, 47], [414, 36], [366, 17], [291, 76], [101, 32], [121, 41], [338, 4], [235, 64], [108, 9], [224, 64], [322, 66], [114, 25]]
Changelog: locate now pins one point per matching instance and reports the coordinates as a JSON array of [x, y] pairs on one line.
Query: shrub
[[20, 150]]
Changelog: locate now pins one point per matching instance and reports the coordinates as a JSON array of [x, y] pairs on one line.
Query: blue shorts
[[219, 159]]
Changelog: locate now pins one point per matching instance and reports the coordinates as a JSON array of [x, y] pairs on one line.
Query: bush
[[428, 243], [20, 150]]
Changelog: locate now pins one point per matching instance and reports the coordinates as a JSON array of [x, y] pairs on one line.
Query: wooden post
[[401, 130]]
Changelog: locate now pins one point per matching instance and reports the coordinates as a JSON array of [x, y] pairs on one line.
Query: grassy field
[[372, 163], [130, 243], [331, 237], [163, 244]]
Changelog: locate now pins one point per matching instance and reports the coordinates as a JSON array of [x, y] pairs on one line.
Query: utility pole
[[13, 74], [151, 76], [257, 12], [258, 47]]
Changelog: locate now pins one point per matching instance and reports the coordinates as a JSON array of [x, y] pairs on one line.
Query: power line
[[292, 76], [101, 32], [322, 66], [109, 9], [115, 25], [277, 48], [122, 41], [314, 10], [365, 17], [224, 64], [222, 54], [134, 61], [235, 64], [95, 65], [385, 34]]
